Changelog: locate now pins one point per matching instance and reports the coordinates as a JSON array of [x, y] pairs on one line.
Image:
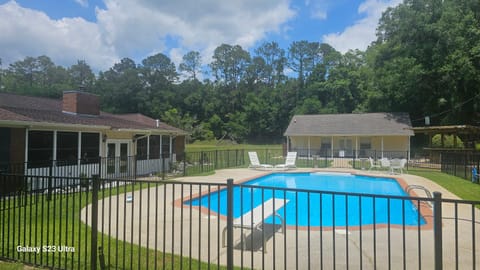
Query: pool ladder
[[427, 192]]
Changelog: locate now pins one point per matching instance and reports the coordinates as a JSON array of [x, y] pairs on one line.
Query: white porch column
[[54, 155], [308, 146], [26, 145], [100, 145], [408, 145], [356, 147], [332, 147], [148, 147], [382, 146], [288, 143], [79, 154]]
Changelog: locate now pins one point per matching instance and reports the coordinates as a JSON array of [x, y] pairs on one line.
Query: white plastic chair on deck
[[255, 162], [289, 161]]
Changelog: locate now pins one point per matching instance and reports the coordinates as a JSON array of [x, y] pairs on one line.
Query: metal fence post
[[455, 166], [50, 175], [437, 230], [184, 163], [408, 159], [94, 232], [236, 157], [228, 158], [353, 161], [163, 168], [135, 168], [230, 224]]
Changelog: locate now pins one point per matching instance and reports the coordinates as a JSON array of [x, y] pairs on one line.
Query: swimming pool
[[321, 199]]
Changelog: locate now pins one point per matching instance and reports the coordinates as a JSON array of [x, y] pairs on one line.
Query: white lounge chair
[[374, 164], [289, 161], [397, 164], [255, 163], [253, 219]]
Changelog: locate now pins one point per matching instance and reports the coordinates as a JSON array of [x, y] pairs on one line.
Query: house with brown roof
[[350, 135], [68, 136]]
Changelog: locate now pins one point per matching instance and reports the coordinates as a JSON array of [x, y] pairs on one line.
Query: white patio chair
[[397, 164], [255, 162], [289, 161], [374, 164], [385, 163]]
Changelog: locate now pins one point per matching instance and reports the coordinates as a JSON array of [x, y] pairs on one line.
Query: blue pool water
[[317, 202]]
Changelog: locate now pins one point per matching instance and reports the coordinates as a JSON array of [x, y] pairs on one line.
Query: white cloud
[[318, 9], [83, 3], [319, 14], [137, 28], [362, 32], [65, 41], [199, 25]]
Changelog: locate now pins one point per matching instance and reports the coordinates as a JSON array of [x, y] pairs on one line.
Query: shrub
[[447, 142]]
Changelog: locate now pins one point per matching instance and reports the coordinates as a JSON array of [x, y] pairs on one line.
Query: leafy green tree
[[81, 75], [426, 55], [236, 126], [36, 76], [274, 61], [230, 64], [120, 88], [159, 69], [191, 64], [302, 58]]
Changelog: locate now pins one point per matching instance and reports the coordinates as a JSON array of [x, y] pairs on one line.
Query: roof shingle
[[44, 110], [361, 124]]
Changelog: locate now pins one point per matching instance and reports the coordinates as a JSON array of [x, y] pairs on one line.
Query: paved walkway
[[188, 231]]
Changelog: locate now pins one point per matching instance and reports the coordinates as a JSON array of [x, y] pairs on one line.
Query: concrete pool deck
[[190, 232]]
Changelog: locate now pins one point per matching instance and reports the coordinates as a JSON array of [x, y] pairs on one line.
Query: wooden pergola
[[469, 134]]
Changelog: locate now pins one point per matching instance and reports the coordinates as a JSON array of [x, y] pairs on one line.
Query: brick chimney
[[81, 103]]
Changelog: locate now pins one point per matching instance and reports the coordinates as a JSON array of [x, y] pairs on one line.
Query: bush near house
[[448, 141]]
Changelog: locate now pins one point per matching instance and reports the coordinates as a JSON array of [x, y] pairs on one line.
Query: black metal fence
[[460, 164], [80, 172], [137, 224], [192, 163], [204, 161]]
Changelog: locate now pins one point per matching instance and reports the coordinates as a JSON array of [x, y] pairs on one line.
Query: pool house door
[[345, 147], [118, 152]]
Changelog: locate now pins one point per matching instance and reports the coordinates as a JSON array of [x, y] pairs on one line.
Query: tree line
[[424, 61]]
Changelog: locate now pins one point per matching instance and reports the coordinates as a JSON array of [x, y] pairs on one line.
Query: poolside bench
[[253, 219]]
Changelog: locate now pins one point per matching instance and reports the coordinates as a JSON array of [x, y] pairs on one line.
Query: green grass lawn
[[214, 145], [13, 266], [462, 188]]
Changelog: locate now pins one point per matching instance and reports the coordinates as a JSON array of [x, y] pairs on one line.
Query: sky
[[101, 32]]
